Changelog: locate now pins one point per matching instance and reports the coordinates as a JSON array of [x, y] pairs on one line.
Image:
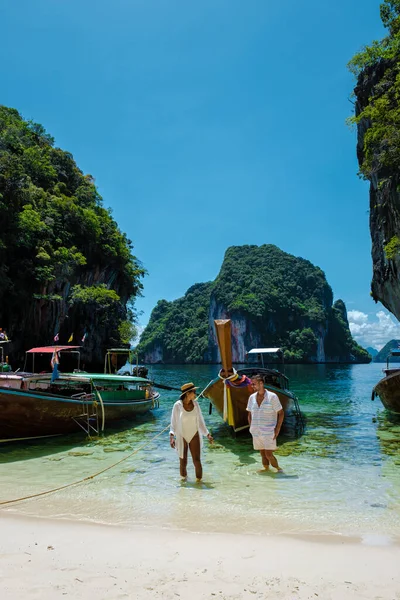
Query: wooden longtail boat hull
[[388, 390], [25, 414], [240, 396], [224, 390]]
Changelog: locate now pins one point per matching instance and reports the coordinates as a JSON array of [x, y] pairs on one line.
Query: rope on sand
[[63, 487]]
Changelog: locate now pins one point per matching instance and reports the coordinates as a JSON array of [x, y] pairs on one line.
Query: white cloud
[[356, 316], [375, 333]]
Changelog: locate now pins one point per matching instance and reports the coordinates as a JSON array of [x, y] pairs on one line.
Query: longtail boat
[[230, 391], [388, 388], [42, 405], [111, 362]]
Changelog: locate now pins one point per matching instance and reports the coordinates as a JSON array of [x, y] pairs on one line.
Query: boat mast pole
[[223, 331]]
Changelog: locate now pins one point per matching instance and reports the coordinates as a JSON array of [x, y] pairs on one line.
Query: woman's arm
[[172, 429], [174, 415]]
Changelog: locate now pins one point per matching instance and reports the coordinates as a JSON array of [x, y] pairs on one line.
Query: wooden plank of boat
[[388, 390]]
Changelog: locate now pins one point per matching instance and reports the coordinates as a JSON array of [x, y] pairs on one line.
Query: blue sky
[[206, 124]]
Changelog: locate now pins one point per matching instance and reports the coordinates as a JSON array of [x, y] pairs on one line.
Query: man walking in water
[[265, 414]]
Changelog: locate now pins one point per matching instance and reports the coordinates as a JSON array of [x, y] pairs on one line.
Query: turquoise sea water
[[342, 476]]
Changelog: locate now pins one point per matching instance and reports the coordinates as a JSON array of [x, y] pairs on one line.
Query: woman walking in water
[[187, 429]]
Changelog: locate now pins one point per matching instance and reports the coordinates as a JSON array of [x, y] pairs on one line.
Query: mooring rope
[[88, 478]]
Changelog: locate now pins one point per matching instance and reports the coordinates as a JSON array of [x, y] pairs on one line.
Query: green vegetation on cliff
[[340, 337], [60, 249], [180, 327], [380, 62], [283, 300]]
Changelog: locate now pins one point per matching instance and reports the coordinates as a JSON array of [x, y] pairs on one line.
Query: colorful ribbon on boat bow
[[228, 409]]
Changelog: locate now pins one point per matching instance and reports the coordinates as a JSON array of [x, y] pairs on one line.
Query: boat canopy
[[264, 350], [50, 349], [122, 350], [101, 378], [110, 359], [109, 377], [395, 352]]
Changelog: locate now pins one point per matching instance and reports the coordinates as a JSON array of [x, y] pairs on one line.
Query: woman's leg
[[195, 452], [183, 461]]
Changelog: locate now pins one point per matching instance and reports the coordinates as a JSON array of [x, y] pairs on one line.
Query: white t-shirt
[[263, 417]]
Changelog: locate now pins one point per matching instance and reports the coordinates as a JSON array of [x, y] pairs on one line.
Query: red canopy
[[50, 349]]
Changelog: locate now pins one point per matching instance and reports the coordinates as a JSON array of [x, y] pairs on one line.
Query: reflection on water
[[340, 476]]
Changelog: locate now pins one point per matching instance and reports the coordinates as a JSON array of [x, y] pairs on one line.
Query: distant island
[[382, 355], [272, 298], [372, 351]]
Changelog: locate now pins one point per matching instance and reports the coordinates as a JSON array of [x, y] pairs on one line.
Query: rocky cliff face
[[384, 202], [46, 317], [65, 266], [43, 317]]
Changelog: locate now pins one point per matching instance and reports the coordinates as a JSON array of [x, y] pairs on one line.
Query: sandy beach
[[60, 559]]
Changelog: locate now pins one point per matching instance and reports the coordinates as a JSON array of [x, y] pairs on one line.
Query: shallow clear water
[[341, 476]]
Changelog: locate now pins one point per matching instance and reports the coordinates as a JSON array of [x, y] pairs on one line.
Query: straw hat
[[187, 387]]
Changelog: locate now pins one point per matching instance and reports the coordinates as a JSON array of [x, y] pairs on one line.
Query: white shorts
[[264, 442]]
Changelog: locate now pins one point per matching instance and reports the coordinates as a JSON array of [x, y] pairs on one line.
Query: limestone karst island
[[271, 297]]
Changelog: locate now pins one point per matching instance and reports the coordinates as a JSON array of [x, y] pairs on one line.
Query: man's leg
[[195, 452], [183, 461], [272, 460]]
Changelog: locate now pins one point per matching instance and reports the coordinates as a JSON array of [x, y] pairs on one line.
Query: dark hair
[[258, 377]]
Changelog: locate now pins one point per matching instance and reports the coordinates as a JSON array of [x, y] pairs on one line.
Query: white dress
[[176, 424]]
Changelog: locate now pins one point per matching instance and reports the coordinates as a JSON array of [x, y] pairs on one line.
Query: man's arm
[[248, 409], [280, 415]]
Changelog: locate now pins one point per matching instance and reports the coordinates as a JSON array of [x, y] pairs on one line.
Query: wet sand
[[47, 560]]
